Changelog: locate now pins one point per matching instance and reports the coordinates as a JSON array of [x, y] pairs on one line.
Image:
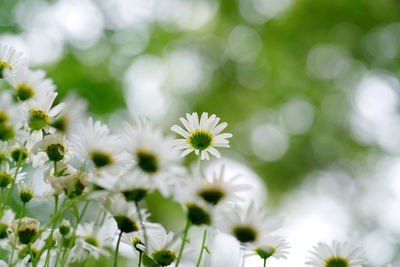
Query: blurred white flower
[[336, 255]]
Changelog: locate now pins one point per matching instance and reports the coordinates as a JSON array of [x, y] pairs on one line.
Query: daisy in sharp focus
[[338, 254], [28, 84], [201, 136], [10, 61]]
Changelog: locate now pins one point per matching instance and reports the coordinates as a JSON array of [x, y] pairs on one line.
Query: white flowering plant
[[83, 162]]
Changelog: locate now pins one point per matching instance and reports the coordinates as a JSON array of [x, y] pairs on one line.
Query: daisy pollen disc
[[245, 233], [125, 224], [265, 253], [24, 92], [5, 179], [6, 132], [92, 241], [3, 65], [212, 195], [136, 194], [3, 116], [38, 119], [56, 151], [101, 159], [336, 262], [164, 257], [147, 161], [198, 215], [3, 230], [200, 139]]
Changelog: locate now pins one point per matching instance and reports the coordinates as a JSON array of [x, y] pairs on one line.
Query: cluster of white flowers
[[83, 163]]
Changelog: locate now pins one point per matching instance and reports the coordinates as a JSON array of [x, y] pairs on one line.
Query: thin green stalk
[[199, 163], [203, 246], [116, 250], [55, 167], [142, 224], [1, 195], [265, 262], [16, 233], [52, 229], [59, 251], [185, 233], [31, 253], [72, 240], [140, 259]]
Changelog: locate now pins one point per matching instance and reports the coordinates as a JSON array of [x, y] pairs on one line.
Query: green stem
[[199, 163], [142, 224], [116, 250], [203, 246], [265, 262], [140, 259], [33, 260], [50, 238], [55, 168], [59, 251], [185, 233], [1, 195], [15, 178]]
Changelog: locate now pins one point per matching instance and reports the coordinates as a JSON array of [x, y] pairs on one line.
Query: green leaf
[[4, 254], [148, 262], [206, 249]]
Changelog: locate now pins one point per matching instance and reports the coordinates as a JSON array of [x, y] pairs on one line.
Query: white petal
[[177, 129], [214, 152], [219, 128], [186, 151]]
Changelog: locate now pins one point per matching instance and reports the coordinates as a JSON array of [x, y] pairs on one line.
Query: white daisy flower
[[270, 246], [73, 114], [5, 223], [150, 148], [201, 136], [338, 254], [51, 147], [28, 84], [246, 226], [64, 180], [133, 185], [125, 213], [162, 247], [137, 239], [40, 113], [218, 189], [97, 237], [10, 61], [23, 257], [4, 151], [94, 142], [10, 116]]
